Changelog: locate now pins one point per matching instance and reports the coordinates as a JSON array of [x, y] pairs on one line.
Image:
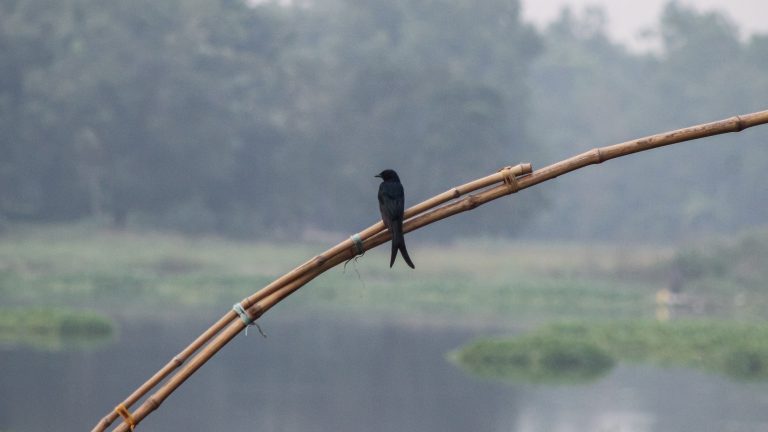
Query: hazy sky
[[626, 18]]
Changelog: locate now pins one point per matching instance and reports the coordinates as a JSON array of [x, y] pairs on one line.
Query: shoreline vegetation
[[138, 274], [573, 352], [129, 275], [52, 329]]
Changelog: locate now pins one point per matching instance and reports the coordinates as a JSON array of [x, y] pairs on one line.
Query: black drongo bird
[[391, 205]]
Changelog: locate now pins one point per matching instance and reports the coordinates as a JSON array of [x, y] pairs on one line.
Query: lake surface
[[315, 374]]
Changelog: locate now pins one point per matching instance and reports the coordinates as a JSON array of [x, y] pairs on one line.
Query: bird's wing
[[391, 201]]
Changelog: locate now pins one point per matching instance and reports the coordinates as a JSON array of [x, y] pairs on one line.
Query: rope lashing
[[358, 243], [510, 179], [240, 310], [246, 318], [123, 412]]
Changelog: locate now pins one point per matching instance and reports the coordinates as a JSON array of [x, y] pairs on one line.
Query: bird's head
[[388, 175]]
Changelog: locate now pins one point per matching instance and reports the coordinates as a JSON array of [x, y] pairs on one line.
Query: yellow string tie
[[510, 179], [126, 415]]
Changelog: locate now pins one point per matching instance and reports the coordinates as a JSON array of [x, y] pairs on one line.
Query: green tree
[[134, 107], [36, 170], [417, 86]]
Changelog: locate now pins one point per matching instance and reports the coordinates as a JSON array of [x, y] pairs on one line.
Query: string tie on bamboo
[[510, 179], [123, 412], [357, 242], [246, 318], [358, 251]]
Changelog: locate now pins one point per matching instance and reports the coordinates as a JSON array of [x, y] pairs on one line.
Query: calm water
[[322, 375]]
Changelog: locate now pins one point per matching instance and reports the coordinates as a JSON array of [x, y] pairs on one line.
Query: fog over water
[[161, 159]]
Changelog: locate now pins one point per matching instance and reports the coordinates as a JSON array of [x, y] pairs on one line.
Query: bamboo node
[[123, 412], [740, 123], [152, 403], [256, 311], [472, 201], [600, 157]]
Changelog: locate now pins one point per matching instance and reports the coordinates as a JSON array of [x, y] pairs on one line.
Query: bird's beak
[[378, 175]]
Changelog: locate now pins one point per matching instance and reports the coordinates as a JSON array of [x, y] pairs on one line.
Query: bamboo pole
[[166, 370], [502, 175], [262, 301]]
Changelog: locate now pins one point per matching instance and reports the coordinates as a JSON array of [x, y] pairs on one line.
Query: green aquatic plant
[[564, 352], [538, 358], [54, 329]]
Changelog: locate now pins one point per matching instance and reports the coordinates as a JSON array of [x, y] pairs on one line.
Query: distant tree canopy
[[598, 93], [217, 115]]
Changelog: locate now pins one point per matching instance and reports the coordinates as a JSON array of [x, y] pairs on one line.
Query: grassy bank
[[53, 328], [139, 273], [135, 273], [572, 352]]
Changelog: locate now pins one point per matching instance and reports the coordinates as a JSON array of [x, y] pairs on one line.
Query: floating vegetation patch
[[535, 357], [579, 352], [53, 329]]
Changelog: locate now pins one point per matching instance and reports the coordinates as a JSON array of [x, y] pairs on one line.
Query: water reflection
[[641, 399], [320, 374]]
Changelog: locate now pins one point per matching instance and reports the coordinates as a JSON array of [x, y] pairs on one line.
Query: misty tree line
[[213, 115]]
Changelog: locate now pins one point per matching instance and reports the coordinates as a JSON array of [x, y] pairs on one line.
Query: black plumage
[[392, 206]]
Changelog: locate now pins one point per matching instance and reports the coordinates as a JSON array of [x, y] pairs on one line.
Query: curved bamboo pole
[[502, 175], [513, 180]]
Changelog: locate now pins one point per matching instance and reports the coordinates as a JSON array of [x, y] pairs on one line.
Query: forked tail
[[398, 243]]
